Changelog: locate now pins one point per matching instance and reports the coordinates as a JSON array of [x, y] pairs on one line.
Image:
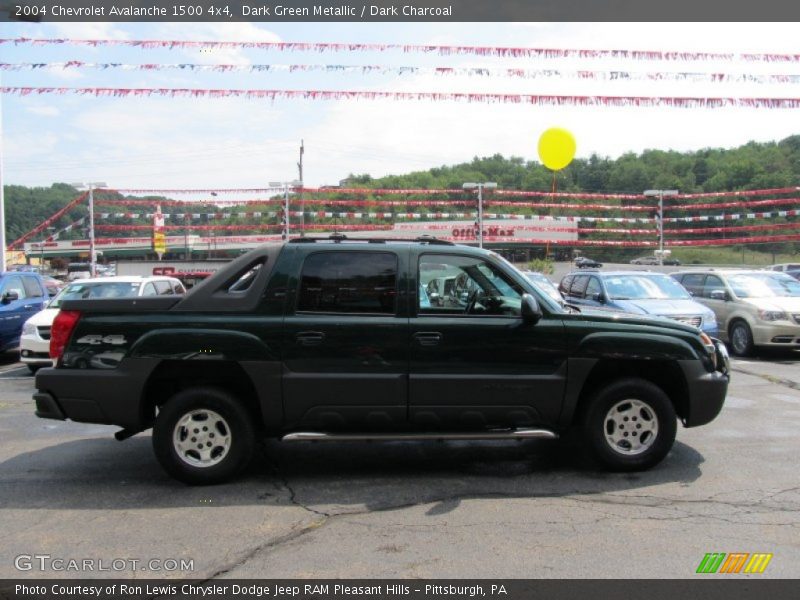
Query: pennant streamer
[[443, 50], [480, 97], [693, 77]]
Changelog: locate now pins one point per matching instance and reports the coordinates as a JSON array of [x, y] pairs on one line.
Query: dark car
[[584, 262], [337, 340]]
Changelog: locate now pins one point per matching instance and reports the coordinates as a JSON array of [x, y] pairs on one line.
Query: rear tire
[[203, 436], [741, 339], [629, 425]]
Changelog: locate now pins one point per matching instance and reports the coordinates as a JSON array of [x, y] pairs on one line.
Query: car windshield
[[101, 289], [764, 285], [644, 287]]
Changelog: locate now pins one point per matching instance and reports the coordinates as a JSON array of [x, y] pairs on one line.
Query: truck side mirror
[[599, 297], [531, 311], [10, 296]]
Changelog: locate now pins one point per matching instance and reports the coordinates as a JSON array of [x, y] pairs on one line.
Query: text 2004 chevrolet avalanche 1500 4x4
[[336, 339]]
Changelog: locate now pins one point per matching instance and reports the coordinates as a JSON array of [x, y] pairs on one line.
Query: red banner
[[470, 97]]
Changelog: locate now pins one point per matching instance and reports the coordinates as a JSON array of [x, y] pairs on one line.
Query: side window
[[13, 284], [177, 288], [564, 285], [578, 288], [593, 287], [461, 285], [713, 283], [693, 282], [163, 288], [149, 289], [349, 282], [32, 287]]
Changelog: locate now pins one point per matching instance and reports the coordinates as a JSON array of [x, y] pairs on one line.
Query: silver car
[[753, 308]]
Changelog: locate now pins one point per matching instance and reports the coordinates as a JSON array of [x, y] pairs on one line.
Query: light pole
[[285, 185], [489, 185], [660, 194], [91, 187]]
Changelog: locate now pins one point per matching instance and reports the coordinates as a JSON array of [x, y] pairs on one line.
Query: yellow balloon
[[556, 148]]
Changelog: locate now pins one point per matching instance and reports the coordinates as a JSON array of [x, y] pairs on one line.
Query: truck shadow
[[100, 473]]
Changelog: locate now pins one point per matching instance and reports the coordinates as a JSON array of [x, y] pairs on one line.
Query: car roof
[[615, 273]]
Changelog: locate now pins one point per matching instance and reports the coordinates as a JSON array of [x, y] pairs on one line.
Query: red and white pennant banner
[[692, 77], [469, 97], [443, 50]]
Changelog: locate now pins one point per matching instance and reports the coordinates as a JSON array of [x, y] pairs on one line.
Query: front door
[[474, 363], [345, 345]]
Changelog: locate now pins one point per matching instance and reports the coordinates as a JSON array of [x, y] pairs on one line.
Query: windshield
[[764, 285], [551, 303], [645, 287], [103, 289]]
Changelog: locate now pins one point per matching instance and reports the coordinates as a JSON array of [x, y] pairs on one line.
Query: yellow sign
[[159, 242]]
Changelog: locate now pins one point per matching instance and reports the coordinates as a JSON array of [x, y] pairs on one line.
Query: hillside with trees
[[748, 167]]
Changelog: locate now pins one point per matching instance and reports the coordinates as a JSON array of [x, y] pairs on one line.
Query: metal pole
[[661, 228], [480, 215], [92, 253], [286, 210], [302, 200]]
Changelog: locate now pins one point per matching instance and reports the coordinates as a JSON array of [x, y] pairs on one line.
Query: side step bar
[[499, 434]]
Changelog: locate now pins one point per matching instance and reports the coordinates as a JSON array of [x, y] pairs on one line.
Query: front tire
[[629, 425], [33, 368], [741, 339], [203, 436]]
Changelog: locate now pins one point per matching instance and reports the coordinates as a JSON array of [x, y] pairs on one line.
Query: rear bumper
[[108, 397], [707, 390]]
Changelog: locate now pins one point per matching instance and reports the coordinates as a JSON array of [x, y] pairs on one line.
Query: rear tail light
[[62, 329]]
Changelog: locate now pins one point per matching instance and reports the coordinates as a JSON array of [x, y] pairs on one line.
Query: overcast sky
[[190, 143]]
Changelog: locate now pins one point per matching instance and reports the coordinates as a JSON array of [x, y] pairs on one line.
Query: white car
[[34, 345]]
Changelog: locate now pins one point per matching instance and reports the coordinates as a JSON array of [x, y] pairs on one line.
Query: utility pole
[[480, 187], [302, 200], [285, 185], [660, 195], [92, 250]]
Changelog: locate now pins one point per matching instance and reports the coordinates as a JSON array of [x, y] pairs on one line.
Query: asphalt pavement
[[453, 509]]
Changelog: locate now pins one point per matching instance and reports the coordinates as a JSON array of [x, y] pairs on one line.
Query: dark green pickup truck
[[337, 339]]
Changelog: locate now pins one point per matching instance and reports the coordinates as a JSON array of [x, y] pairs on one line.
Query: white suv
[[34, 345]]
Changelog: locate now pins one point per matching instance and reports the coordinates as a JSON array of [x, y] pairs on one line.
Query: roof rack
[[340, 237]]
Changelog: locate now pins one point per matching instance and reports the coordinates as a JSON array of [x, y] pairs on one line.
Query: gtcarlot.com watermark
[[47, 562]]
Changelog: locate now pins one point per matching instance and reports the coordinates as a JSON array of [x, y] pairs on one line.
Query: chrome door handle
[[428, 338]]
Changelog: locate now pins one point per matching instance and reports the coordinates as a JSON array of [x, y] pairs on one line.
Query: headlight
[[710, 319], [772, 315], [710, 348], [29, 328]]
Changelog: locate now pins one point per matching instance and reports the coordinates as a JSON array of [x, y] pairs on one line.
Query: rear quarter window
[[348, 282]]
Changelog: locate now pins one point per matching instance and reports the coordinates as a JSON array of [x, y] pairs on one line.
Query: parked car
[[584, 262], [22, 294], [638, 292], [77, 271], [653, 260], [753, 308], [34, 344], [330, 339], [785, 267], [52, 284], [545, 284]]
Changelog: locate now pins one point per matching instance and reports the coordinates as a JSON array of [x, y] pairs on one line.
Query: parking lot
[[455, 509]]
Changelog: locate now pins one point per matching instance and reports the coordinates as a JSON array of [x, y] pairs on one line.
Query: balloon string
[[554, 184]]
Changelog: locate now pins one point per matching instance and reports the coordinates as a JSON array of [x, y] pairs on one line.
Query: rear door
[[345, 343]]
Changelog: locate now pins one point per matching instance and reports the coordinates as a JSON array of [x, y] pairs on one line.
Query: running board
[[503, 434]]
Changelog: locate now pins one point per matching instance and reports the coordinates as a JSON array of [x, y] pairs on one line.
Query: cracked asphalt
[[453, 509]]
